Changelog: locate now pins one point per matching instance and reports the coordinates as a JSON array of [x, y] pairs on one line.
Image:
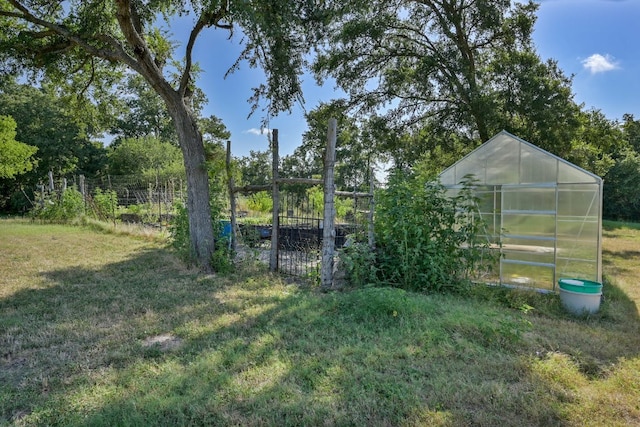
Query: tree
[[354, 154], [85, 38], [64, 146], [42, 121], [621, 199], [145, 156], [15, 157], [466, 67], [631, 128], [144, 113], [597, 143], [256, 168]]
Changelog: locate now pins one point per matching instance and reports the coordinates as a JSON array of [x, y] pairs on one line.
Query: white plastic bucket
[[580, 296]]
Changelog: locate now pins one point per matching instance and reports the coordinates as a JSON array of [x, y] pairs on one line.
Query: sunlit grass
[[104, 329]]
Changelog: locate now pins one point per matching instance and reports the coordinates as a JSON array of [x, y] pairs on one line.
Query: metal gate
[[300, 233]]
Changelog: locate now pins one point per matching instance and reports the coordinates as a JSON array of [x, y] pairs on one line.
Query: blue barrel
[[225, 228]]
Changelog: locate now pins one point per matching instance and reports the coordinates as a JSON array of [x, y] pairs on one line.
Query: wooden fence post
[[273, 259], [232, 199], [329, 232], [372, 205]]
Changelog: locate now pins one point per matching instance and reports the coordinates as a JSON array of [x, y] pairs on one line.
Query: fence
[[304, 235], [136, 198]]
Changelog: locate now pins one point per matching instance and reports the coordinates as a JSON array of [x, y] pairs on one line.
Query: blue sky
[[596, 41]]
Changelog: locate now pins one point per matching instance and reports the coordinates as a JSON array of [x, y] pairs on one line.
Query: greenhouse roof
[[506, 159]]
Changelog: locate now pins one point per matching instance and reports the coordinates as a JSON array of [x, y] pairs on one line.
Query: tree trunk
[[199, 211]]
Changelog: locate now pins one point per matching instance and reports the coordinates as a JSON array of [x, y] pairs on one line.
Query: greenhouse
[[541, 212]]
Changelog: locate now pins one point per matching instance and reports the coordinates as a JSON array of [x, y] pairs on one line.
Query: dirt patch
[[165, 342]]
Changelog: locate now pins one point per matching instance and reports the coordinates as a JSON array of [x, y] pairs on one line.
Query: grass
[[104, 329]]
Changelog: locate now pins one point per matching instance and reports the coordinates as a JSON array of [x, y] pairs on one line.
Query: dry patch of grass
[[104, 329]]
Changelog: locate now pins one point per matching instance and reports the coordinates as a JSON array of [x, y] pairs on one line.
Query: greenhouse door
[[528, 235]]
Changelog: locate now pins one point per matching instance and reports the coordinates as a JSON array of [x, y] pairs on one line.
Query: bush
[[359, 264], [260, 202], [105, 204], [64, 206], [427, 240]]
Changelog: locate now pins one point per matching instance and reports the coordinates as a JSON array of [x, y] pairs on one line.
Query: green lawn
[[105, 329]]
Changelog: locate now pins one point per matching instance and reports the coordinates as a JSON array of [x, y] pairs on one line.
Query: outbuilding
[[543, 213]]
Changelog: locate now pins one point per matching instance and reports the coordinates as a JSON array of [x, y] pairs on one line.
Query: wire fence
[[133, 198]]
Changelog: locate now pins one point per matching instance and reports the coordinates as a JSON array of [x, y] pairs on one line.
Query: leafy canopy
[[15, 157]]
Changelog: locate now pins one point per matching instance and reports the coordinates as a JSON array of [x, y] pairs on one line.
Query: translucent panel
[[582, 249], [526, 275], [529, 225], [581, 229], [579, 200], [529, 199], [571, 268], [537, 167], [487, 201], [505, 159], [470, 167], [529, 244], [568, 173], [448, 177], [528, 253]]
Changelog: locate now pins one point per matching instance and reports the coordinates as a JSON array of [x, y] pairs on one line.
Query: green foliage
[[354, 153], [359, 264], [467, 68], [260, 202], [146, 156], [63, 143], [221, 261], [621, 199], [256, 168], [15, 157], [59, 206], [179, 231], [427, 240], [44, 121], [342, 206], [597, 143], [105, 204]]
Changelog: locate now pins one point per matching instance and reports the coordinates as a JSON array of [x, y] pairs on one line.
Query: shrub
[[105, 204], [426, 239], [64, 206], [359, 264], [260, 202]]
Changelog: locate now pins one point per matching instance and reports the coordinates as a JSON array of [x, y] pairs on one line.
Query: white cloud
[[256, 131], [597, 63]]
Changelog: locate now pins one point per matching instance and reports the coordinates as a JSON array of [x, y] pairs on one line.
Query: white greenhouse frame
[[543, 213]]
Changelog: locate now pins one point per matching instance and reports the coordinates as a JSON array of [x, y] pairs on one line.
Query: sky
[[595, 41]]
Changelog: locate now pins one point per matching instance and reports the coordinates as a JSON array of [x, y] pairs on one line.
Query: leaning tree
[[80, 44]]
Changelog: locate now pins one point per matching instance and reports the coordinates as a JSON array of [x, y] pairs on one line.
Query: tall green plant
[[105, 204], [427, 240], [61, 206]]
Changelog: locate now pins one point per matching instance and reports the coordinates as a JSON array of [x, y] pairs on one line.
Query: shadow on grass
[[252, 350]]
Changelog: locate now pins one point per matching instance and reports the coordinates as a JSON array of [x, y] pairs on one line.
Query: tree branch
[[129, 22], [207, 19], [117, 55]]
